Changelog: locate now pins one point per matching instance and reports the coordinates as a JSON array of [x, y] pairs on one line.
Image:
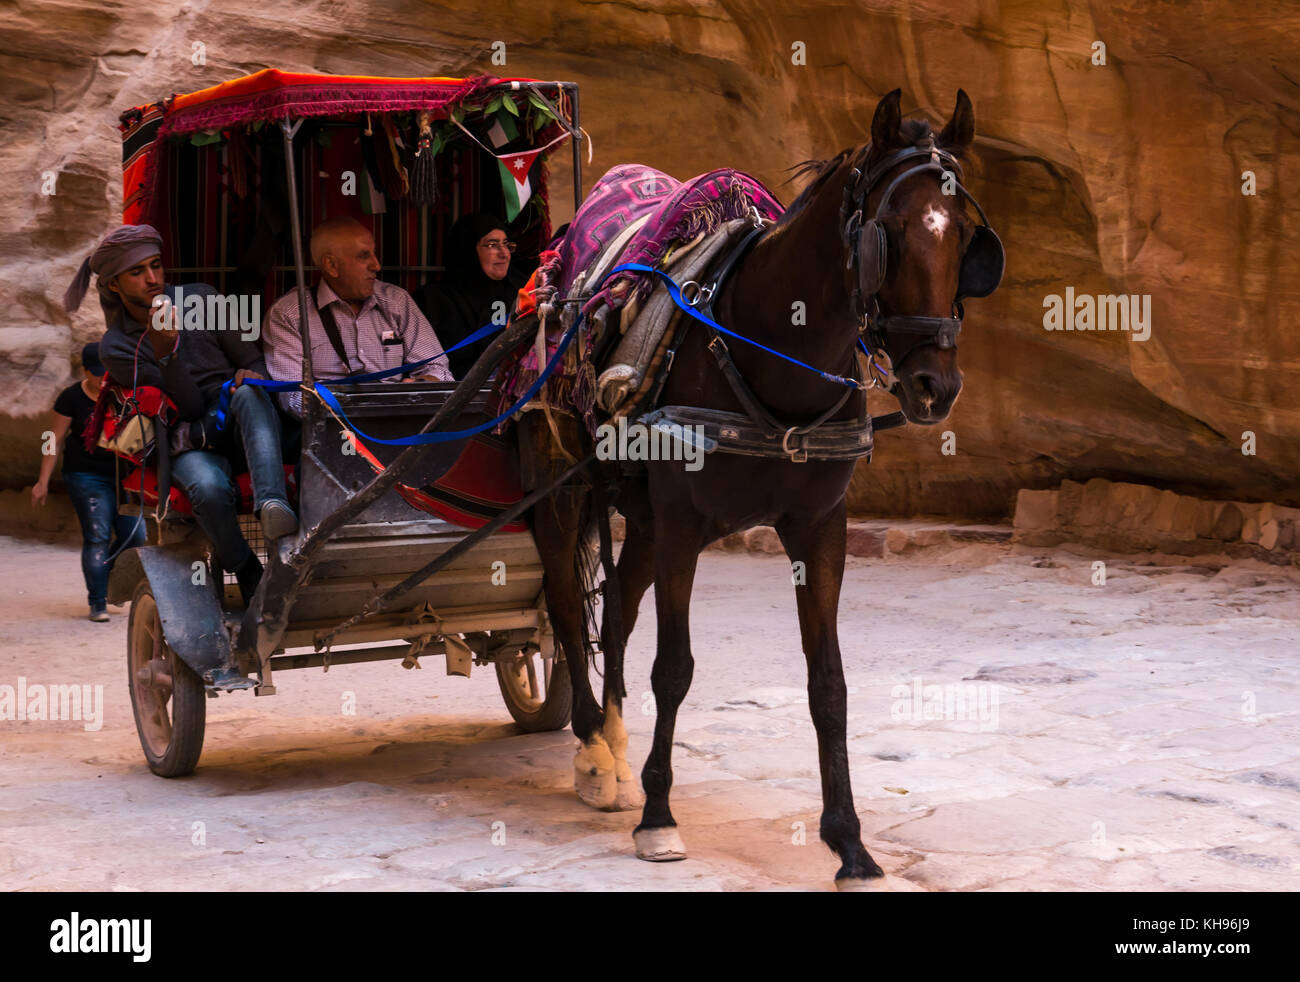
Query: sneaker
[[277, 519], [99, 614]]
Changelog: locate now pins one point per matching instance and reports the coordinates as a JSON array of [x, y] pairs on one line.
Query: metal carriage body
[[234, 177]]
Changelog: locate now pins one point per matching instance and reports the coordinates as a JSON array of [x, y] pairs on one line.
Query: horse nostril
[[927, 385]]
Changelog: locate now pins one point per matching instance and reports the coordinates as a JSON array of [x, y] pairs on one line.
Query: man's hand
[[244, 374], [164, 330], [40, 490]]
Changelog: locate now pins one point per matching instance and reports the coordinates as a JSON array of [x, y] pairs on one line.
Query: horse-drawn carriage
[[234, 177], [702, 313]]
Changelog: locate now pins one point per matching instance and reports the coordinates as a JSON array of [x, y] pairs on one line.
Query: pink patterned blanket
[[679, 211]]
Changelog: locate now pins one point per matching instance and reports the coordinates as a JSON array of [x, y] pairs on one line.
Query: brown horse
[[896, 278]]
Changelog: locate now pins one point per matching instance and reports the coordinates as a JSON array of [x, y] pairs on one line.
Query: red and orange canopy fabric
[[269, 96]]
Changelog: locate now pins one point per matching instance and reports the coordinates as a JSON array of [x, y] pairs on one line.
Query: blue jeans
[[103, 531], [204, 476], [252, 425]]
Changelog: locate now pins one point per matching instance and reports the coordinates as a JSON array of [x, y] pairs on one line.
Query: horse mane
[[821, 171], [912, 132]]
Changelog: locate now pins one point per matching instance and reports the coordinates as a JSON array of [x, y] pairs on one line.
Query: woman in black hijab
[[477, 278]]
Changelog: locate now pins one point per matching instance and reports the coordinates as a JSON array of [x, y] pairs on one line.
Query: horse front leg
[[676, 553], [819, 545]]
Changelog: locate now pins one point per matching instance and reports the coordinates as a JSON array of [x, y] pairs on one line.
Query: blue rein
[[421, 439], [328, 397], [675, 292]]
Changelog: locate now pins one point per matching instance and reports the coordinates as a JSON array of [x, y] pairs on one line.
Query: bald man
[[357, 322]]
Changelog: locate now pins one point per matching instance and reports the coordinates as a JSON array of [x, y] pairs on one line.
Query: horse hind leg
[[635, 575], [595, 764], [595, 774], [559, 528], [627, 790]]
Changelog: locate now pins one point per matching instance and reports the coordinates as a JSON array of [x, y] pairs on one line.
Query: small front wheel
[[167, 696]]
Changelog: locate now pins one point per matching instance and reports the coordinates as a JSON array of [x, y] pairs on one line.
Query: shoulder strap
[[332, 332]]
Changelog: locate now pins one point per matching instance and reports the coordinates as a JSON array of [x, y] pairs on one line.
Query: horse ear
[[888, 118], [960, 131]]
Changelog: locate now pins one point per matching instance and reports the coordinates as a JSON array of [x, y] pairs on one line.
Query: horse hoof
[[876, 884], [662, 845], [628, 797], [593, 776]]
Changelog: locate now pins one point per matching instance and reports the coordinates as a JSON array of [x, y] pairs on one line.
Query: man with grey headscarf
[[145, 346]]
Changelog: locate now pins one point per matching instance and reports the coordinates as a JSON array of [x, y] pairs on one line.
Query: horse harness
[[758, 433]]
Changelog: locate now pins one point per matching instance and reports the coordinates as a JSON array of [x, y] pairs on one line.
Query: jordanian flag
[[514, 167], [514, 180]]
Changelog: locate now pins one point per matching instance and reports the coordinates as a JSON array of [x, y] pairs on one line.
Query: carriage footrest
[[227, 680]]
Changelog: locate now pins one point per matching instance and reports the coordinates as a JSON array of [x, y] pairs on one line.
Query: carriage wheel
[[167, 696], [536, 690]]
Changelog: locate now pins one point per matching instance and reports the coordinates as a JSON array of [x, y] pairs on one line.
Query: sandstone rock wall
[[1127, 518], [1123, 178]]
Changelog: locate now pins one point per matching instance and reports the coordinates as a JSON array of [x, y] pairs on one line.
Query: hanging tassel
[[372, 200], [395, 178], [424, 177], [76, 291], [236, 161]]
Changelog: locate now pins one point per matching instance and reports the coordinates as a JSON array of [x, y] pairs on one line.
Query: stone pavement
[[1014, 724]]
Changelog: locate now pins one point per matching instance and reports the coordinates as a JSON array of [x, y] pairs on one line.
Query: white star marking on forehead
[[935, 220]]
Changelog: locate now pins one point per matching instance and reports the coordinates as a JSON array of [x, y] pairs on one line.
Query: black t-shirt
[[74, 402]]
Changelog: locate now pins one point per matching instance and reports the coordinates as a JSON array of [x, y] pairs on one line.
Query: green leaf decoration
[[458, 113], [510, 107], [205, 139], [535, 100]]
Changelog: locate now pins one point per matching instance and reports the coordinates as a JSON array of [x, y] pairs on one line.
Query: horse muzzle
[[927, 396]]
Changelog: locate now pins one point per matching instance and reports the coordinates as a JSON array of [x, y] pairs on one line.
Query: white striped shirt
[[389, 331]]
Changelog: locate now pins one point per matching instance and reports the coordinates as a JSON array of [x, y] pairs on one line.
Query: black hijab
[[463, 301]]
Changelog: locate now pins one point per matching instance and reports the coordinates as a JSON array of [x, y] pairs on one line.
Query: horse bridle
[[867, 248]]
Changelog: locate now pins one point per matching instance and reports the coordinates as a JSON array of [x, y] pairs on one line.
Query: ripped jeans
[[103, 531]]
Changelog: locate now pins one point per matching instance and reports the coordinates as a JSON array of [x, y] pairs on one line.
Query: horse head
[[915, 252]]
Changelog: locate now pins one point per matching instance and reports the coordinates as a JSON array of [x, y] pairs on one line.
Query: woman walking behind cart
[[91, 479]]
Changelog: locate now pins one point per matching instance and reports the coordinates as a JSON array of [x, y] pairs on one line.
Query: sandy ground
[[1136, 735]]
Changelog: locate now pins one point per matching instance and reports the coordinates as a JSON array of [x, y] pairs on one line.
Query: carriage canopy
[[206, 168]]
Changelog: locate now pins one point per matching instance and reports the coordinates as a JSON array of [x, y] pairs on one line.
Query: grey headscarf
[[122, 248]]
